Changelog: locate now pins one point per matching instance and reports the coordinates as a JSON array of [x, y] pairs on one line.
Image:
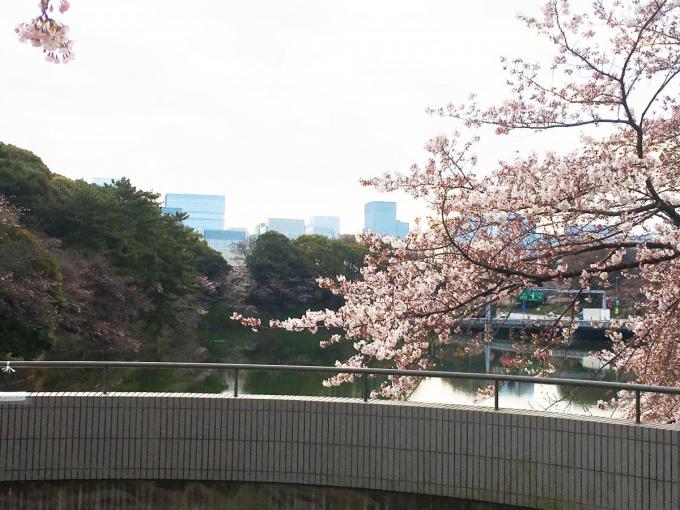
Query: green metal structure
[[531, 296]]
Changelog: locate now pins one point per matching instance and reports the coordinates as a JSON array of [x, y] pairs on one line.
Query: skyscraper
[[289, 227], [402, 228], [381, 218], [206, 212], [328, 226], [225, 242]]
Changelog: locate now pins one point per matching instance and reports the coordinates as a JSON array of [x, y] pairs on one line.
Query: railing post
[[495, 394], [104, 377], [236, 382], [366, 387], [637, 406]]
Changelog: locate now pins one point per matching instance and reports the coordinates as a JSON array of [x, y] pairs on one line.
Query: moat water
[[278, 347]]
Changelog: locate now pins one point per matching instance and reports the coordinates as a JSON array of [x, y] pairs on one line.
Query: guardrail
[[638, 389]]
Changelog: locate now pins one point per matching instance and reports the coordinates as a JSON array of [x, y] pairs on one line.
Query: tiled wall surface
[[536, 460]]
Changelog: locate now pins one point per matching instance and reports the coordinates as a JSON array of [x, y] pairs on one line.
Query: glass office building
[[291, 228], [206, 212], [328, 226], [171, 210], [225, 242], [381, 218], [402, 228]]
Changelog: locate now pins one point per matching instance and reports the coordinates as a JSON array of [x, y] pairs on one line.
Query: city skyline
[[256, 112], [308, 217], [208, 213]]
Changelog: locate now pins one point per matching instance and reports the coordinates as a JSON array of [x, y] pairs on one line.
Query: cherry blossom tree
[[492, 232], [47, 33]]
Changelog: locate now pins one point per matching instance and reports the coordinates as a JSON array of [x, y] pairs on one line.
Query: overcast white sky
[[279, 105]]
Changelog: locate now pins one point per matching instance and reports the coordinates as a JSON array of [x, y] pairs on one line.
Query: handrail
[[638, 389]]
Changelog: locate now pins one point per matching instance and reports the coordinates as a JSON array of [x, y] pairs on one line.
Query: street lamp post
[[616, 286], [617, 302]]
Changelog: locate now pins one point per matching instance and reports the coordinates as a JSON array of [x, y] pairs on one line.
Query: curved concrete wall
[[528, 459]]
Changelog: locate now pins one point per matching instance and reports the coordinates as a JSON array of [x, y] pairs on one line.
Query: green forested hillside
[[91, 272]]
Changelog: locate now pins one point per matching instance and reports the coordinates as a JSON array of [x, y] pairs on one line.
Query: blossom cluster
[[251, 322], [47, 33]]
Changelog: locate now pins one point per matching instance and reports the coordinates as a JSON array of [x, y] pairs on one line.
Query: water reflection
[[539, 397]]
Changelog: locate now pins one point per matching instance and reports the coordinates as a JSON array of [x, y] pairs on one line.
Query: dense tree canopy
[[28, 289], [94, 264], [326, 257], [285, 271], [24, 177], [273, 256]]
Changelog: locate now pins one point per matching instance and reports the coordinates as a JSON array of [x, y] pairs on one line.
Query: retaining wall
[[531, 459]]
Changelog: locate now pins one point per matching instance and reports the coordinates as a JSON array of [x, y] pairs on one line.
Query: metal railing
[[637, 389]]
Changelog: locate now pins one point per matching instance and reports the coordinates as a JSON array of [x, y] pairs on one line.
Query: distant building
[[103, 181], [402, 228], [381, 218], [225, 242], [291, 228], [171, 210], [260, 229], [328, 226], [206, 212]]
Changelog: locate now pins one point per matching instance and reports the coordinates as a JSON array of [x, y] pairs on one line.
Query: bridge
[[537, 322], [529, 459]]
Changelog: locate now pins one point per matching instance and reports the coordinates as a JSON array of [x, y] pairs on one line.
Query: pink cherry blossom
[[49, 34], [492, 232]]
